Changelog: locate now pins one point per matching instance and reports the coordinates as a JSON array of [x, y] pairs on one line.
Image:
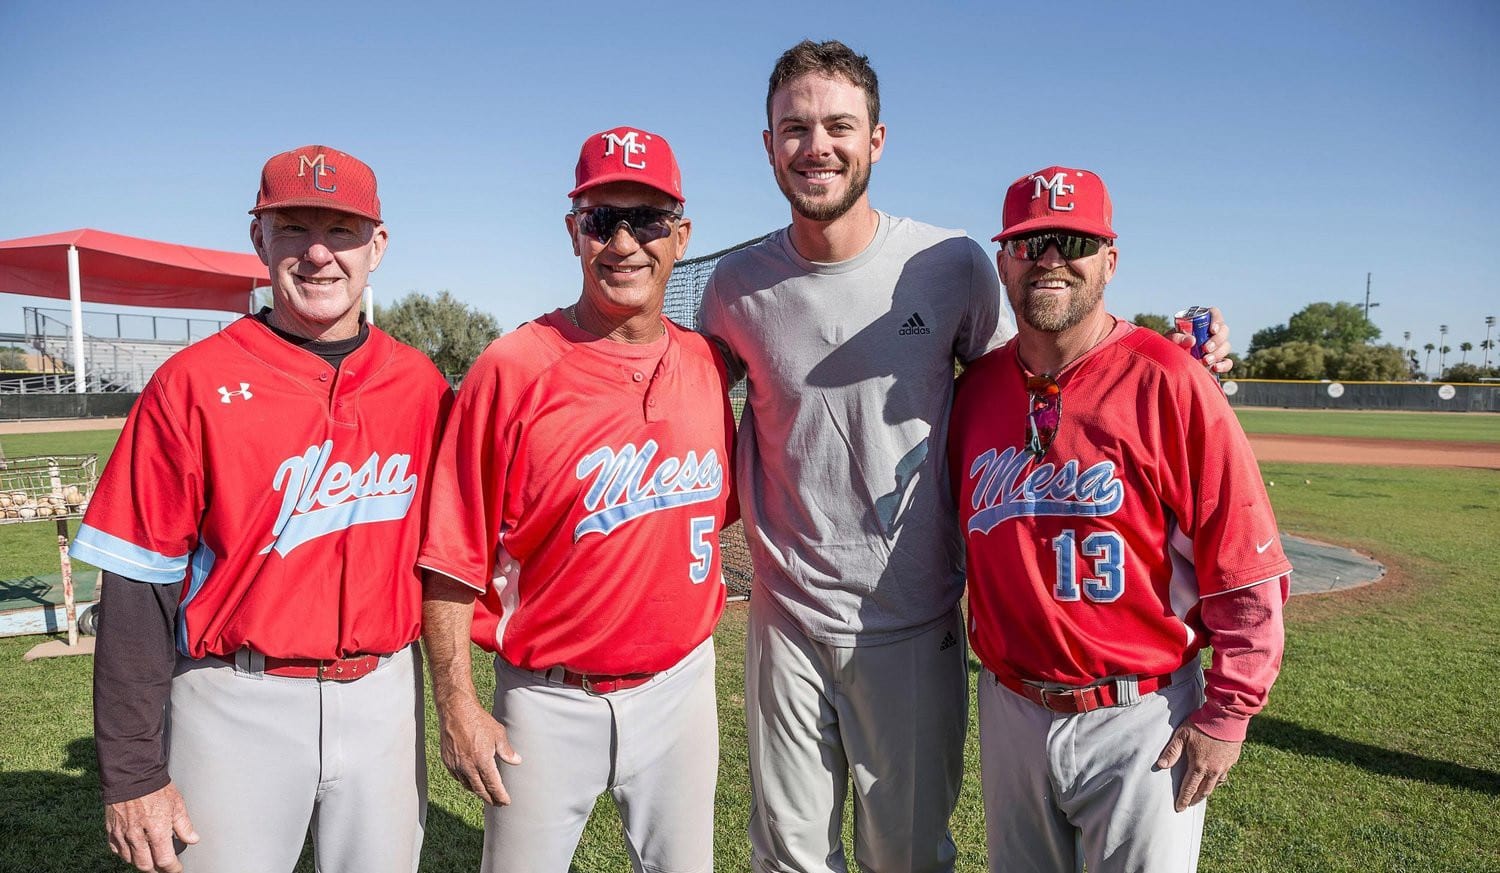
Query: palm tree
[[1465, 348], [1443, 356], [1487, 345], [1427, 362]]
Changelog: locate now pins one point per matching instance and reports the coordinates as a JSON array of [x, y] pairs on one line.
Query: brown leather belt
[[1089, 697], [327, 670]]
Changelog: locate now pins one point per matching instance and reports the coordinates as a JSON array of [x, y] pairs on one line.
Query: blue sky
[[1260, 156]]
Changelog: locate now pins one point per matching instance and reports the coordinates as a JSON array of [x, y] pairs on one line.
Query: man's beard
[[1046, 313], [819, 210]]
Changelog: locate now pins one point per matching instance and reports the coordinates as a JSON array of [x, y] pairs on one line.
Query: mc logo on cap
[[320, 177], [1057, 198], [627, 154]]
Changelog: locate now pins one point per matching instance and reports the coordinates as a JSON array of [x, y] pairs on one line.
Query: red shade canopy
[[130, 271]]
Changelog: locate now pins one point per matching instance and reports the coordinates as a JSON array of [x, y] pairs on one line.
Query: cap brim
[[626, 177], [1092, 228], [314, 203]]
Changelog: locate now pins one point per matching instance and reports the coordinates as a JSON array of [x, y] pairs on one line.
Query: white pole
[[75, 296], [369, 305]]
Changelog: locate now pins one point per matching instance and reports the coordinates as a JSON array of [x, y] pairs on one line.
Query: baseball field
[[1379, 750]]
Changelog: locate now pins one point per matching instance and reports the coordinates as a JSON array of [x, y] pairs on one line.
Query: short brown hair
[[829, 58]]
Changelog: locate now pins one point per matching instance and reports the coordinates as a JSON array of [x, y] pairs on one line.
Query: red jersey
[[603, 466], [1090, 562], [286, 494]]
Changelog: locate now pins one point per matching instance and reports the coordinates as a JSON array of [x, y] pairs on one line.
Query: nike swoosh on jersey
[[1261, 549]]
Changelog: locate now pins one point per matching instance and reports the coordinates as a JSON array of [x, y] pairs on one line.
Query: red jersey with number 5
[[1090, 562], [604, 468]]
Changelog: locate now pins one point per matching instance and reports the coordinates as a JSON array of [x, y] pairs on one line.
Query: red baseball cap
[[1057, 198], [627, 154], [321, 177]]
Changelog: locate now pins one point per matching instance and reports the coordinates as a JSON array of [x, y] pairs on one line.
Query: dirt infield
[[56, 425], [1353, 450]]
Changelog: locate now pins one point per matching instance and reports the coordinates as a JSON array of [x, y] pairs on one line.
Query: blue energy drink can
[[1195, 320]]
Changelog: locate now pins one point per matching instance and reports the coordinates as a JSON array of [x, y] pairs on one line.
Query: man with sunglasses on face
[[847, 325], [1116, 525], [590, 446]]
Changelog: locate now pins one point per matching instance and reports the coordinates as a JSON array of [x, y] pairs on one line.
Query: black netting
[[684, 292]]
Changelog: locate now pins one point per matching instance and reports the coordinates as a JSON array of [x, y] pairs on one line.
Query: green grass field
[[1378, 751], [1466, 427]]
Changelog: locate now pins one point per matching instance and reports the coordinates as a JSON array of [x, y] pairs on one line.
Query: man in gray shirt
[[847, 324]]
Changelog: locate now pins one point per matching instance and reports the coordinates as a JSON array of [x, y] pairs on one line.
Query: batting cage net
[[684, 293]]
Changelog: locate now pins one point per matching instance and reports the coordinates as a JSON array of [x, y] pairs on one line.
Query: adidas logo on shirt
[[914, 326]]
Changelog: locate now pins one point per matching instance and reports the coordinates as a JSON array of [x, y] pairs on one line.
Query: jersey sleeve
[[985, 324], [466, 500], [142, 522], [1222, 508]]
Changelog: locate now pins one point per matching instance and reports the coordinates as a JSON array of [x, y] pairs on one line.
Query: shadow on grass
[[1291, 737], [53, 820], [54, 823]]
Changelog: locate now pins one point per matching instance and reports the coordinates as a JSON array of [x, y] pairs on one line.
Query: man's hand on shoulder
[[1208, 762], [141, 829], [1216, 350], [472, 740]]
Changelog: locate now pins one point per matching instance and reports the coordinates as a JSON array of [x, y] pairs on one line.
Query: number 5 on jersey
[[701, 542], [1107, 552]]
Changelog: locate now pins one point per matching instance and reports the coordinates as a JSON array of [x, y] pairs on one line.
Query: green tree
[[1334, 326], [1365, 363], [1469, 373], [1292, 360], [1427, 362], [1465, 348], [12, 358], [1159, 323], [1268, 338], [449, 332]]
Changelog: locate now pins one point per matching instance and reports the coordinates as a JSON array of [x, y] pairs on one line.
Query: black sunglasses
[[1044, 415], [1070, 246], [645, 223]]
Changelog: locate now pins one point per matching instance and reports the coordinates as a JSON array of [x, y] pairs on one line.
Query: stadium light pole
[[1368, 304], [1489, 322], [1442, 347]]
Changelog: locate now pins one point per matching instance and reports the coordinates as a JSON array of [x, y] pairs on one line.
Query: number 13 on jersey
[[1106, 552]]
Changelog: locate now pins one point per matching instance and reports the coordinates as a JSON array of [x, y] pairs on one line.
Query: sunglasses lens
[[1069, 246], [644, 223]]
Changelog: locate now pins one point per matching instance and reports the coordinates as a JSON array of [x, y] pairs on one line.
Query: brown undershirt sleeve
[[134, 658]]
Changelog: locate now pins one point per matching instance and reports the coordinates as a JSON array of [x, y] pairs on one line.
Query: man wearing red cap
[[263, 508], [1116, 525], [576, 504]]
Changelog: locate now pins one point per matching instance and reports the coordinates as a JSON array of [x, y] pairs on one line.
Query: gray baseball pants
[[258, 759], [891, 716], [1054, 782]]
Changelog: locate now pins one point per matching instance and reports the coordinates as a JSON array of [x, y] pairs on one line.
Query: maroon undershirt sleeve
[[1245, 630], [134, 657]]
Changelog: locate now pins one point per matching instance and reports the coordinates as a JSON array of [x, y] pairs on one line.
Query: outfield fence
[[1410, 396]]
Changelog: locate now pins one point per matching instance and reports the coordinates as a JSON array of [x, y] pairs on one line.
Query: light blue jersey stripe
[[125, 558], [203, 564]]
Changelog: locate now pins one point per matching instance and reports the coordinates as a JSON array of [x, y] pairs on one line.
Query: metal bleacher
[[121, 351]]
